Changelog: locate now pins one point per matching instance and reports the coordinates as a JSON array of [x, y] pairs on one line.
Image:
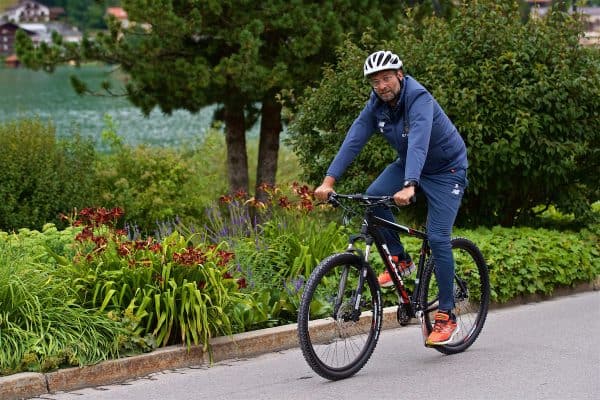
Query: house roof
[[117, 12], [33, 27]]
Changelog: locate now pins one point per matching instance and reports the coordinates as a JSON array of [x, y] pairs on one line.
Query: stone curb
[[244, 345]]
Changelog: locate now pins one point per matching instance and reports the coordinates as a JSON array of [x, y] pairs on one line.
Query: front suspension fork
[[352, 314]]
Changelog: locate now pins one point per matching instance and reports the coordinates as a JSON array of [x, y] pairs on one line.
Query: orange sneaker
[[404, 267], [444, 330]]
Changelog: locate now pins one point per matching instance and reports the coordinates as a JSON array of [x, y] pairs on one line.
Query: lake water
[[26, 93]]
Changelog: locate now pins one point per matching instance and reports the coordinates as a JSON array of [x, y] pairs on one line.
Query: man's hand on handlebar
[[405, 196], [323, 191]]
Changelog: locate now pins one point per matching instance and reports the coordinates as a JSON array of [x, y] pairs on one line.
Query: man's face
[[386, 84]]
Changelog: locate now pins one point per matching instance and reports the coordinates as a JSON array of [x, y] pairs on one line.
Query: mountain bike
[[340, 313]]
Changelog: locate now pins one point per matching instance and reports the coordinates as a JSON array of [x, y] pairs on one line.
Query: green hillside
[[4, 4]]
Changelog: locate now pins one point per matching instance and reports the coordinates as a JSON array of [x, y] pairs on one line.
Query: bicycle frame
[[370, 234]]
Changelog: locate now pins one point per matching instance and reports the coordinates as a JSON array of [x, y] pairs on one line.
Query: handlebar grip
[[412, 200], [332, 199]]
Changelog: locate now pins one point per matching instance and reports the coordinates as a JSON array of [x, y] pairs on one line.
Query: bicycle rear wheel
[[337, 341], [471, 295]]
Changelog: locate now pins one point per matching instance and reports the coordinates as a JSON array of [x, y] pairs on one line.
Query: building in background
[[27, 11], [38, 21], [43, 32], [8, 31]]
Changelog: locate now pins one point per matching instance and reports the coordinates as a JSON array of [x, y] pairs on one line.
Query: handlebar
[[366, 200]]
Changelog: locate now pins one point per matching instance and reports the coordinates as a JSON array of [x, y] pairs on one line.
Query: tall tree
[[241, 54]]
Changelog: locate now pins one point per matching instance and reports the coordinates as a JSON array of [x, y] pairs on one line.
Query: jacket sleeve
[[359, 133], [421, 119]]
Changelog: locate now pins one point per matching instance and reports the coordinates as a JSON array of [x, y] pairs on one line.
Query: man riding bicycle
[[432, 157]]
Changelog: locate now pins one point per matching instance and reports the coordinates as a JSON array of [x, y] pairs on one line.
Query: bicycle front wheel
[[471, 295], [337, 338]]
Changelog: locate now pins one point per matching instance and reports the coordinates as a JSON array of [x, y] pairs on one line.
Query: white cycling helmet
[[380, 61]]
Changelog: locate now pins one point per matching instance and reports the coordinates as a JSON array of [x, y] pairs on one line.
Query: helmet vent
[[380, 61]]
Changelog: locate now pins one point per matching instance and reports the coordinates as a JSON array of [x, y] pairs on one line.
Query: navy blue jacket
[[427, 141]]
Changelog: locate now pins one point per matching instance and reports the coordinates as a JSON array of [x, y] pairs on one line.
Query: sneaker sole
[[450, 339]]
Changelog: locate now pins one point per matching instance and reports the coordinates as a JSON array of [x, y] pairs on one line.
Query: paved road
[[547, 350]]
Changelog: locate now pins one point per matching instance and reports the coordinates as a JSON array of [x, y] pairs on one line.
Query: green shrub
[[536, 261], [154, 185], [41, 176]]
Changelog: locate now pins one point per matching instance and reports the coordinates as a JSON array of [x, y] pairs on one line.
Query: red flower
[[225, 199], [240, 194], [86, 234], [242, 283], [143, 244], [117, 212], [224, 257], [156, 248], [124, 249], [190, 257], [307, 204], [284, 202], [100, 241]]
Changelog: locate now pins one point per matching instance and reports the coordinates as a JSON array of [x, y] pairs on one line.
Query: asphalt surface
[[506, 342]]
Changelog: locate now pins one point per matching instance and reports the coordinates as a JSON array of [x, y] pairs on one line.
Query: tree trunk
[[268, 148], [235, 138]]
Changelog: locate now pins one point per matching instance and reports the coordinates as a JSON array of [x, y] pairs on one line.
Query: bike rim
[[339, 342]]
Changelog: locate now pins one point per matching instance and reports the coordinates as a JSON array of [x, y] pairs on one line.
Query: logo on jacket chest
[[381, 125]]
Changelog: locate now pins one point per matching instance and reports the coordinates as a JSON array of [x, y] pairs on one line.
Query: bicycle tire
[[471, 295], [338, 347]]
